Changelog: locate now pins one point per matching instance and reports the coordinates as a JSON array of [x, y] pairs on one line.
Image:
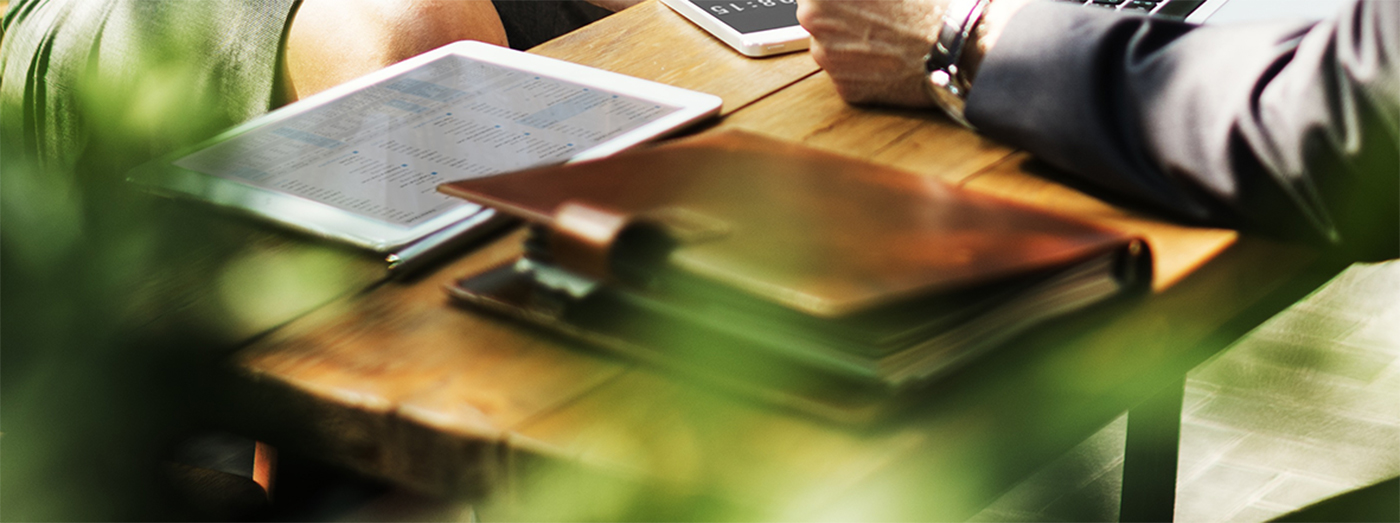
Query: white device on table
[[360, 163], [753, 27]]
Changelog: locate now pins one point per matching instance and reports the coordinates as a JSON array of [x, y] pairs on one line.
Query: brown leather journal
[[765, 262]]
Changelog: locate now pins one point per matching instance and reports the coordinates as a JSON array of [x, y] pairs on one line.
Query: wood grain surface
[[920, 141], [399, 383]]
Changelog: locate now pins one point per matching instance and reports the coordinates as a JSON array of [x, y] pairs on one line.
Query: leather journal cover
[[763, 262]]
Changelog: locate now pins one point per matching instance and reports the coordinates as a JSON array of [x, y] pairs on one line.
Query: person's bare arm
[[332, 41]]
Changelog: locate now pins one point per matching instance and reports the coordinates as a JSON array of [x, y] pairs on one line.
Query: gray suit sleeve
[[1288, 128]]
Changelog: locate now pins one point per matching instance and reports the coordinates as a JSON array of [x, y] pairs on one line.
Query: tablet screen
[[751, 16], [381, 151]]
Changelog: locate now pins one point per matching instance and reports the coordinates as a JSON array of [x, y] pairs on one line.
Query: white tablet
[[752, 27], [360, 163]]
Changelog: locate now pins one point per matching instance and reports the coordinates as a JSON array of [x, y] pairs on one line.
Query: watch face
[[751, 16]]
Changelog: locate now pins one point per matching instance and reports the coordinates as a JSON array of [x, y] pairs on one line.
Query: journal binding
[[774, 265]]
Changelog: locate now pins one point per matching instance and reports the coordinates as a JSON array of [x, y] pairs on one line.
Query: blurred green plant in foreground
[[110, 298]]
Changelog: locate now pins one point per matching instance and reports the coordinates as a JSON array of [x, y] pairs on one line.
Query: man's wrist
[[946, 83], [986, 33]]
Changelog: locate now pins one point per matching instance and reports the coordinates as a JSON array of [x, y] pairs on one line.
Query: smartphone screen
[[751, 16]]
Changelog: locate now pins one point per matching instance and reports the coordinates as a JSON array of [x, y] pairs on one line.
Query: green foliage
[[110, 298]]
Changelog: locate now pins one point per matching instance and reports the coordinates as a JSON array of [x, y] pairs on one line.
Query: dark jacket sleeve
[[1287, 127]]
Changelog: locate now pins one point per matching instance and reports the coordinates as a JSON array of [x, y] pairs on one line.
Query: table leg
[[1150, 456]]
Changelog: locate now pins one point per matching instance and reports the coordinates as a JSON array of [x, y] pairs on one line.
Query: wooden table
[[397, 382]]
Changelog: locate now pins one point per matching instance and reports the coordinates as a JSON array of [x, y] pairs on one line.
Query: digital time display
[[751, 16]]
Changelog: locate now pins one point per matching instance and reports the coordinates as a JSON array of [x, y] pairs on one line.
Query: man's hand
[[874, 49]]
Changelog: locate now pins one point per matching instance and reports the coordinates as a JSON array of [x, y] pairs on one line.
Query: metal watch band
[[946, 83]]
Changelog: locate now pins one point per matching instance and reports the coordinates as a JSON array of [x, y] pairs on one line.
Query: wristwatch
[[946, 83]]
